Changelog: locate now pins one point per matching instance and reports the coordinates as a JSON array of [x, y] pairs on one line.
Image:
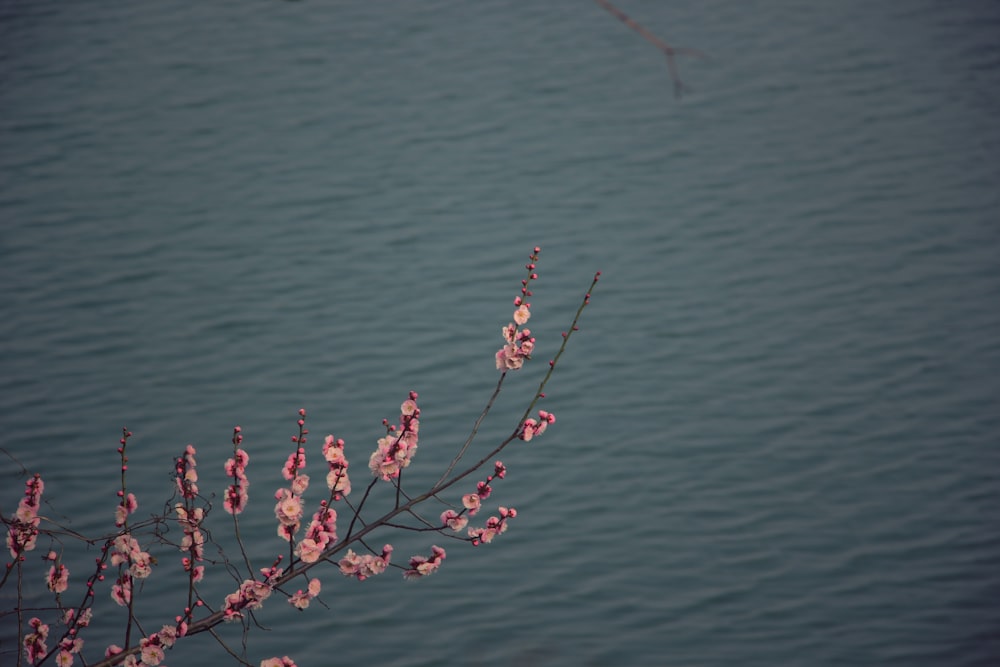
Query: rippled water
[[778, 428]]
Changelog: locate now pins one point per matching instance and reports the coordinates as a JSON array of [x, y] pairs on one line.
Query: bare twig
[[669, 51]]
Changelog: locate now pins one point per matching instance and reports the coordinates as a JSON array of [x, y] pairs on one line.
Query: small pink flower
[[471, 502], [309, 551], [451, 519], [152, 654], [58, 579], [522, 314]]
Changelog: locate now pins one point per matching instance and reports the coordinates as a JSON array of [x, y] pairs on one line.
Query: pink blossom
[[152, 654], [22, 532], [522, 314], [471, 502], [251, 594], [494, 526], [362, 567], [64, 658], [35, 648], [397, 448], [300, 599], [236, 496], [288, 510], [296, 461], [58, 579], [308, 550], [278, 662], [300, 484], [422, 566], [167, 635], [451, 519]]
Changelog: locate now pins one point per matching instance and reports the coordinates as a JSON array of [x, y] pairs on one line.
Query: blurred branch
[[669, 51]]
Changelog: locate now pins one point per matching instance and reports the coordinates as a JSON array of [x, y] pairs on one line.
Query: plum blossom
[[471, 502], [453, 520], [494, 526], [301, 599], [237, 496], [34, 642], [251, 595], [22, 531], [58, 578], [337, 479], [278, 662], [397, 448], [362, 567], [128, 506], [322, 532], [422, 566], [288, 511], [530, 428], [186, 473]]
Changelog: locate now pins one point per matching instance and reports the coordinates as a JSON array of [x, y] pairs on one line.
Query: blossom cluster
[[127, 506], [237, 494], [250, 595], [22, 531], [519, 344], [397, 448], [57, 580], [151, 648], [301, 598], [193, 542], [362, 567], [422, 566], [473, 501], [34, 642], [186, 474], [494, 526], [394, 452], [531, 427], [322, 532], [337, 480], [132, 562]]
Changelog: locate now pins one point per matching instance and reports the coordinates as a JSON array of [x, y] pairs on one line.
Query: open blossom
[[522, 314], [452, 519], [422, 566], [288, 509], [471, 502]]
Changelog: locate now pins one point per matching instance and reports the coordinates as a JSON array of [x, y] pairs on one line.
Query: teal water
[[778, 437]]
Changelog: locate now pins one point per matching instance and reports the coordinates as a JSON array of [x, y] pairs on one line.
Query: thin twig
[[668, 51]]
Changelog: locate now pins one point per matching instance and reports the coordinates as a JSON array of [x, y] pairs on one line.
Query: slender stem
[[666, 49], [475, 429]]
